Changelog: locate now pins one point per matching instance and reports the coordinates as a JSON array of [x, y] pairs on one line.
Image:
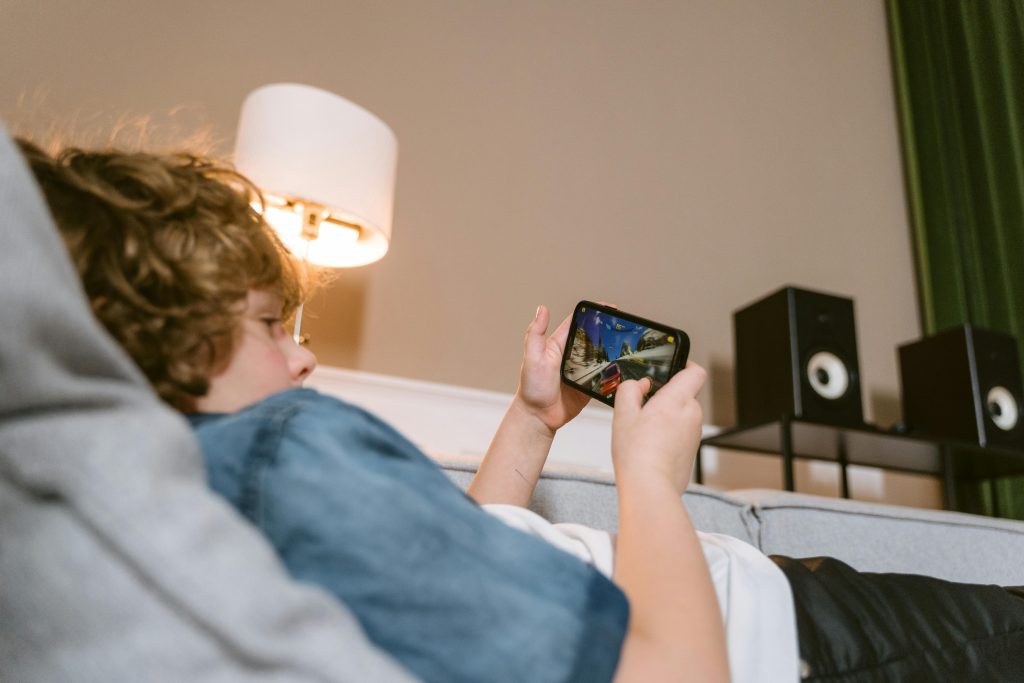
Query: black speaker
[[796, 354], [965, 384]]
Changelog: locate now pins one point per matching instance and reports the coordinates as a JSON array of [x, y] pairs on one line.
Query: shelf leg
[[948, 479], [787, 453], [844, 481], [993, 491], [698, 468]]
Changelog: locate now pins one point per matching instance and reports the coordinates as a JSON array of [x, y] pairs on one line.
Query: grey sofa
[[868, 536]]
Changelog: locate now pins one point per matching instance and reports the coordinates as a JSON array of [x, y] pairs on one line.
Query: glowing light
[[340, 243]]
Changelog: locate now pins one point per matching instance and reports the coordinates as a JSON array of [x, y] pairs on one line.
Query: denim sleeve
[[452, 593]]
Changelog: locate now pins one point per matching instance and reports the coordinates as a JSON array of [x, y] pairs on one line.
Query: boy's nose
[[302, 362]]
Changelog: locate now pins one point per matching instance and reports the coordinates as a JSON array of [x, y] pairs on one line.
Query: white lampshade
[[310, 150]]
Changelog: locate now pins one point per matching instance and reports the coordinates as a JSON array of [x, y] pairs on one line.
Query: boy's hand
[[659, 438], [541, 392]]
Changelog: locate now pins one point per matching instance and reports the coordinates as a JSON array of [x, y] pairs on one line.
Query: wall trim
[[448, 420]]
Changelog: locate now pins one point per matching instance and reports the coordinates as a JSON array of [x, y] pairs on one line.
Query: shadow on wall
[[722, 386], [337, 313], [732, 470], [884, 408]]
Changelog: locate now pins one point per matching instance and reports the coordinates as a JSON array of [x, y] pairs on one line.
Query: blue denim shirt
[[451, 592]]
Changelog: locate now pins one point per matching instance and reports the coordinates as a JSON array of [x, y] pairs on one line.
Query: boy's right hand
[[659, 438]]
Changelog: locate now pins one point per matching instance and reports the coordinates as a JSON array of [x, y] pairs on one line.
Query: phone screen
[[608, 347]]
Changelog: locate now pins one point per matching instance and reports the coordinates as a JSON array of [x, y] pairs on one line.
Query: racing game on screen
[[607, 350]]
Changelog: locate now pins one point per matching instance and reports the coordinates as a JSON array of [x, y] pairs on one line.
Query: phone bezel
[[678, 359]]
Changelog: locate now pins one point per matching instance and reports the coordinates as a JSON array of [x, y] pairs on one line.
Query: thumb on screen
[[630, 394]]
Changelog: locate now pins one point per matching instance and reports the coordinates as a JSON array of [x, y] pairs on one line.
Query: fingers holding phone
[[541, 393], [659, 437]]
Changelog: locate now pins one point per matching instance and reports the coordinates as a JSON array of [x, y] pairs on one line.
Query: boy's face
[[266, 360]]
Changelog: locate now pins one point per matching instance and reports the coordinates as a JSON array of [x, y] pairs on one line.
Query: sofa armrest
[[888, 538]]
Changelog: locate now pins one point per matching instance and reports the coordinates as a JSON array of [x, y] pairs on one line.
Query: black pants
[[855, 626]]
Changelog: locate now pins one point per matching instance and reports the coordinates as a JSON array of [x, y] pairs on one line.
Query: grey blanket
[[116, 562]]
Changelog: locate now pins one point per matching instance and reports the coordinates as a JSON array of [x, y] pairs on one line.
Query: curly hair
[[167, 247]]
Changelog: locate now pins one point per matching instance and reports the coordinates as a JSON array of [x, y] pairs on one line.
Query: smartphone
[[606, 347]]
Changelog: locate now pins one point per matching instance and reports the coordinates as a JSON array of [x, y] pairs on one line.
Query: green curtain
[[959, 73]]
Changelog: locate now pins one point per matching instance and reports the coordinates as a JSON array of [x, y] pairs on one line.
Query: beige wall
[[677, 158]]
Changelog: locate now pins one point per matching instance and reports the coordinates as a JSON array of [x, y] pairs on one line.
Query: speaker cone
[[1002, 408], [828, 375]]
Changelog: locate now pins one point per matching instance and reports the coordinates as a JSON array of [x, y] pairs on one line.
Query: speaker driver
[[1002, 408], [828, 375]]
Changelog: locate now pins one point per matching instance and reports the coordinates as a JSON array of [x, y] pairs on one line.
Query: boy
[[192, 282], [188, 278]]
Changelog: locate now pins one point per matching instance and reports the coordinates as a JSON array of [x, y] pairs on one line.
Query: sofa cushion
[[888, 538], [568, 494]]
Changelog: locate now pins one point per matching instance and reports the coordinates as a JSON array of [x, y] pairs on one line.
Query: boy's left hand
[[541, 391]]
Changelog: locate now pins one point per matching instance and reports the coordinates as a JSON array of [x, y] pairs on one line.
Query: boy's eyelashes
[[272, 323]]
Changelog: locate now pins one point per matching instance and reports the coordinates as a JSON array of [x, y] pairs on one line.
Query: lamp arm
[[311, 215]]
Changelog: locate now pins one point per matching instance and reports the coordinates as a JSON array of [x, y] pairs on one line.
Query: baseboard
[[443, 419]]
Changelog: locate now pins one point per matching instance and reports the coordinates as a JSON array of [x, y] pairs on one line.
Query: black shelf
[[794, 438]]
